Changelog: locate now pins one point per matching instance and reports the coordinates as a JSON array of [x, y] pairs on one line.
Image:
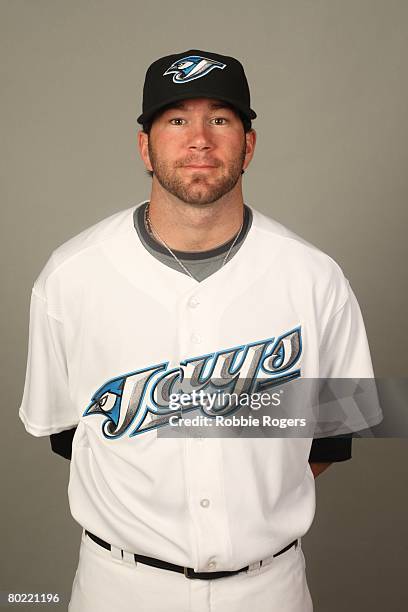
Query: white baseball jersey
[[110, 324]]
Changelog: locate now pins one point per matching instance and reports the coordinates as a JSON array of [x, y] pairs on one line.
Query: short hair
[[247, 123]]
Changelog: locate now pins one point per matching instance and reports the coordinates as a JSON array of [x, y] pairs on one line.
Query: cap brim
[[145, 117]]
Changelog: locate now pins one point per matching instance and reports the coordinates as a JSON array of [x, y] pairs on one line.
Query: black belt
[[187, 571]]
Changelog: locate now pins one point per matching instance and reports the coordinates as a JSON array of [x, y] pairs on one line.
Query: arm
[[61, 443], [318, 468], [325, 451]]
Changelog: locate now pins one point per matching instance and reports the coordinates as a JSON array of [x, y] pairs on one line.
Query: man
[[189, 284]]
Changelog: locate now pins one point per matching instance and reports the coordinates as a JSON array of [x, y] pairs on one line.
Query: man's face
[[197, 149]]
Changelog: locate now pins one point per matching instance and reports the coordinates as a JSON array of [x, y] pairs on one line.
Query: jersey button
[[196, 338], [212, 565], [193, 302], [205, 503]]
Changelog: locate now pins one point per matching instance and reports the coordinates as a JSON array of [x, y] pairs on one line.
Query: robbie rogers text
[[235, 421]]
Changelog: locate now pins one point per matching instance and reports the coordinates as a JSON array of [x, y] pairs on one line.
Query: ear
[[250, 138], [143, 143]]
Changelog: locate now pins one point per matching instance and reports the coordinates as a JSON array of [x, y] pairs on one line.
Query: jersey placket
[[203, 455]]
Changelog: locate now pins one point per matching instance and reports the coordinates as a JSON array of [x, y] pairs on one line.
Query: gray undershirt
[[201, 264]]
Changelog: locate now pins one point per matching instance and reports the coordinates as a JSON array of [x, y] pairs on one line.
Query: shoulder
[[288, 238], [83, 245], [298, 257]]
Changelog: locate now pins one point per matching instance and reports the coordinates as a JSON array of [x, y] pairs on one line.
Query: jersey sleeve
[[46, 407], [344, 350], [328, 450], [353, 405], [61, 442]]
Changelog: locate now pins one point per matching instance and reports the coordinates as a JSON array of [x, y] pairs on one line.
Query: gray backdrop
[[329, 84]]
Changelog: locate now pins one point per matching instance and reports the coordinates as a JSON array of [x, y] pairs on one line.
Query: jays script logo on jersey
[[192, 67], [139, 401]]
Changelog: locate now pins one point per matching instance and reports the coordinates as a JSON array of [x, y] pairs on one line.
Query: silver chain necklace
[[149, 227]]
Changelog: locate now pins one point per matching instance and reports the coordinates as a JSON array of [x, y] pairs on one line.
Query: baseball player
[[192, 283]]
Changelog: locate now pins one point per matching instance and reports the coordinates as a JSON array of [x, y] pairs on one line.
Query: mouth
[[199, 166]]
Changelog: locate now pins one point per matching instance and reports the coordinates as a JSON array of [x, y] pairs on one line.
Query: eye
[[219, 119], [176, 119]]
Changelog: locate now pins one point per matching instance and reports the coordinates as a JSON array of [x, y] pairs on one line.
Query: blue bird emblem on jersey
[[192, 67], [107, 401]]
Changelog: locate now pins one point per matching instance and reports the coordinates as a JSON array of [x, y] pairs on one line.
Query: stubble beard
[[186, 189]]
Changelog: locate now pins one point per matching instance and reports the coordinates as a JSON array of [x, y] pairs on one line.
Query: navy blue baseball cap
[[195, 74]]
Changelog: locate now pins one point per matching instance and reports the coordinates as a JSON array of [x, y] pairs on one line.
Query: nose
[[199, 138]]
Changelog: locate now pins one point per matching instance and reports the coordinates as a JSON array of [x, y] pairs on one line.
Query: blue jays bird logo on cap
[[192, 67]]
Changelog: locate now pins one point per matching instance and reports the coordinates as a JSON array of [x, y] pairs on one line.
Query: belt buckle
[[188, 571], [254, 566]]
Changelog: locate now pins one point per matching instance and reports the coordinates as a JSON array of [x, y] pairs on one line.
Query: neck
[[196, 227]]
